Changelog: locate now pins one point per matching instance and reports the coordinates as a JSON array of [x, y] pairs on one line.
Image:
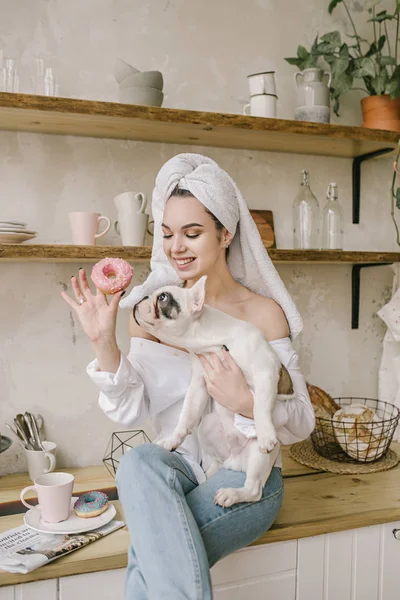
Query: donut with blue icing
[[91, 504]]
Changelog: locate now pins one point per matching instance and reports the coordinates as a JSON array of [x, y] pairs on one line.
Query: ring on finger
[[81, 300]]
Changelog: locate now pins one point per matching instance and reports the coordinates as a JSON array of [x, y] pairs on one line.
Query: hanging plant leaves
[[376, 47], [332, 37], [368, 67], [333, 4], [302, 52], [357, 37], [380, 82], [393, 87], [380, 17], [339, 64], [387, 60]]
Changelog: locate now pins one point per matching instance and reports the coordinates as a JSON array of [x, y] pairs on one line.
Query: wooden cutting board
[[265, 224]]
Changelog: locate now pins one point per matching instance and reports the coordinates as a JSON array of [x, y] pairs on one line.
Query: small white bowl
[[153, 79], [141, 95], [122, 70]]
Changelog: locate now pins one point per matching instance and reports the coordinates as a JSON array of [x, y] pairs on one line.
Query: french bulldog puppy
[[179, 317]]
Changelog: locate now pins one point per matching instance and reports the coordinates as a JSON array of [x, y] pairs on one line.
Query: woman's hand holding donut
[[97, 316]]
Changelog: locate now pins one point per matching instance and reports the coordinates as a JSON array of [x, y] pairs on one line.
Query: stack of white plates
[[14, 232]]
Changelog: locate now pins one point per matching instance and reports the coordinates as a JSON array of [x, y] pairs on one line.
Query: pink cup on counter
[[54, 492]]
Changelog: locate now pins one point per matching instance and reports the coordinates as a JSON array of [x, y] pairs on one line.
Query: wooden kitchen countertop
[[314, 503]]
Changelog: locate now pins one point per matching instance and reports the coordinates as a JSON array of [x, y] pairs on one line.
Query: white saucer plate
[[22, 230], [73, 524], [11, 237], [13, 224], [12, 227]]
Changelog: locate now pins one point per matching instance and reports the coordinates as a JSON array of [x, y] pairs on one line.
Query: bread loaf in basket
[[359, 432]]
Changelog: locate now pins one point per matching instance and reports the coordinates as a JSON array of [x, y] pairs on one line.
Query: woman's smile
[[183, 263]]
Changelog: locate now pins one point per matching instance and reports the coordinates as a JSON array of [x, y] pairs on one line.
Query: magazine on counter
[[22, 549]]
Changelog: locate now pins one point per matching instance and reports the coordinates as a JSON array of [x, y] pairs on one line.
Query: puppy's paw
[[164, 443], [267, 442], [173, 441], [226, 497]]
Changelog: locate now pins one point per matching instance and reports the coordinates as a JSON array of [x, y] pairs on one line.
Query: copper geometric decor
[[121, 442]]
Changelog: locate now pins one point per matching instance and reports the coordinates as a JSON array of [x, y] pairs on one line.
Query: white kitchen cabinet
[[102, 585], [37, 590], [259, 573], [7, 593], [281, 586], [256, 561], [358, 564]]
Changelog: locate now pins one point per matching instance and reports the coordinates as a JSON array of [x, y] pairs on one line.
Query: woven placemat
[[304, 453]]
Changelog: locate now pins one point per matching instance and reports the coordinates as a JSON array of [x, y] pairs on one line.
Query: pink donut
[[111, 275]]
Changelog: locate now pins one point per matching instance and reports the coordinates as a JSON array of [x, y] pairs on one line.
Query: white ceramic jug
[[312, 96]]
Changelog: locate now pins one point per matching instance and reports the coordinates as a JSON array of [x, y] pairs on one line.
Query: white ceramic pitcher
[[312, 96]]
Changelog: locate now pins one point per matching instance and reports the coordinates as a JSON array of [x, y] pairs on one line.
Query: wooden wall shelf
[[64, 253], [68, 116]]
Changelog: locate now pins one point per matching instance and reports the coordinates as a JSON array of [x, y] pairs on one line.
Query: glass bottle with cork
[[332, 221], [306, 217]]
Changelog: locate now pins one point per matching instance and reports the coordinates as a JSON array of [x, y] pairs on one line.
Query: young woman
[[177, 532]]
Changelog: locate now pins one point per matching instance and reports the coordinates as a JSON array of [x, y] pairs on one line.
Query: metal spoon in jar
[[36, 432], [35, 440], [16, 434], [22, 435]]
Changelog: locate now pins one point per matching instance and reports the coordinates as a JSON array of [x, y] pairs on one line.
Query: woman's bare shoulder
[[268, 316], [135, 330]]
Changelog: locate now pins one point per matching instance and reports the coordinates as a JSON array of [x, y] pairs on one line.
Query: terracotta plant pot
[[381, 112]]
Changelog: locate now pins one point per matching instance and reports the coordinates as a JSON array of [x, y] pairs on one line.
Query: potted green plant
[[372, 66]]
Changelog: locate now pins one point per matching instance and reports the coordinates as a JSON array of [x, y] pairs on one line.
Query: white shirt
[[152, 381]]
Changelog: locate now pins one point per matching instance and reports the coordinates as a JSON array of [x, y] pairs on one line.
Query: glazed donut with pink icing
[[112, 275]]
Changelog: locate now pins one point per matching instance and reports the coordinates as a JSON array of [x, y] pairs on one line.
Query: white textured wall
[[205, 50]]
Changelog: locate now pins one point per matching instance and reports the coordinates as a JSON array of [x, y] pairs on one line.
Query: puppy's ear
[[197, 295]]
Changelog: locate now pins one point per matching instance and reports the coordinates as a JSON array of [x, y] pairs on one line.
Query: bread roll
[[323, 426], [322, 399], [359, 432]]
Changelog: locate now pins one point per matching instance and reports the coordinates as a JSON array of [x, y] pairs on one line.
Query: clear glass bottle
[[306, 217], [332, 221]]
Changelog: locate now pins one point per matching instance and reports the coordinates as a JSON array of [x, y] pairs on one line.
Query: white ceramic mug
[[85, 225], [41, 461], [262, 83], [54, 492], [261, 105], [128, 203], [132, 220], [133, 229]]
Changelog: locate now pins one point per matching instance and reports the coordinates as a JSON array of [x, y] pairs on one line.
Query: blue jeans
[[177, 532]]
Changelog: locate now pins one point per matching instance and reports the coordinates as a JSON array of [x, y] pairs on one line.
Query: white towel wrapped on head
[[248, 261]]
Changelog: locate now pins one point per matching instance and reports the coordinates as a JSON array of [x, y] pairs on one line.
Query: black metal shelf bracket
[[355, 290], [357, 178]]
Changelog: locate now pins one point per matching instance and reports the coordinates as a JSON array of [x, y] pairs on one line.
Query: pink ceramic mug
[[84, 227], [54, 492]]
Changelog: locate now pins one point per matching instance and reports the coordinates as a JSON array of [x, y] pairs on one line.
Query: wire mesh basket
[[349, 438]]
